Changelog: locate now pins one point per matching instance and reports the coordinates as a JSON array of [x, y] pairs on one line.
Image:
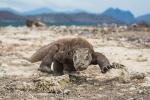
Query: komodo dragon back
[[39, 54]]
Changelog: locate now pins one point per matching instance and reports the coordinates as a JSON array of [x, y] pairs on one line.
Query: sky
[[137, 7]]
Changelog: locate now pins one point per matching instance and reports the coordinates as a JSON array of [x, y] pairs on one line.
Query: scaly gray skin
[[80, 61], [69, 54], [97, 59]]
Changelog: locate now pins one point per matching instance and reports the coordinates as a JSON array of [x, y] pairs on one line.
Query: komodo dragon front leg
[[102, 61]]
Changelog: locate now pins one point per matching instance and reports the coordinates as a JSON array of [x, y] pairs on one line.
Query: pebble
[[1, 42], [67, 91], [138, 75], [141, 92], [100, 88], [132, 88], [52, 98], [101, 96], [131, 99], [147, 79]]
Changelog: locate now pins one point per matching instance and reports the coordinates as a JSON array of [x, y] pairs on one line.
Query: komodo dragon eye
[[86, 57]]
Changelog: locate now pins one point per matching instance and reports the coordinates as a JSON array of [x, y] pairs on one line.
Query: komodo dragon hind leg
[[46, 63], [58, 68]]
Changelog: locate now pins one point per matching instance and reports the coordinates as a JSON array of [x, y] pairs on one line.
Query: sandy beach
[[130, 48]]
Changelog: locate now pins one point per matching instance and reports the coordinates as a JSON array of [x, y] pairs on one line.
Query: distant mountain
[[144, 18], [48, 16], [9, 15], [75, 16], [9, 10], [123, 16], [6, 9], [81, 18], [39, 11]]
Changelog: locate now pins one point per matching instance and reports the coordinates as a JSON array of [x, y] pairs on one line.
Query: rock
[[42, 84], [4, 65], [147, 79], [67, 91], [34, 22], [25, 86], [1, 42], [51, 84], [122, 72], [52, 98], [131, 99], [137, 75], [121, 75], [22, 86], [101, 96], [77, 78], [140, 92], [132, 88], [146, 82], [141, 59], [124, 76], [2, 70]]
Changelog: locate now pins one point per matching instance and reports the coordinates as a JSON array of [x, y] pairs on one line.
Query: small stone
[[98, 77], [141, 59], [1, 42], [131, 99], [67, 91], [138, 76], [147, 78], [119, 94], [100, 88], [4, 65], [96, 83], [101, 96], [24, 86], [132, 88], [141, 92], [124, 90], [52, 98]]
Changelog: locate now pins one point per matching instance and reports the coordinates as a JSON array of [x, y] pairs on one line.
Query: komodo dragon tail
[[39, 54]]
